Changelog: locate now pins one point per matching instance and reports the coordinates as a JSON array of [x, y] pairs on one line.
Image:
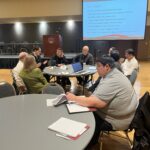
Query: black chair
[[141, 124], [6, 89], [53, 88]]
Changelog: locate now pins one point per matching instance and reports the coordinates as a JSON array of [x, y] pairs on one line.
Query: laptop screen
[[77, 67]]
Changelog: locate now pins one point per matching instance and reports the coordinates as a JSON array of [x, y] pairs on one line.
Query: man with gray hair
[[85, 56]]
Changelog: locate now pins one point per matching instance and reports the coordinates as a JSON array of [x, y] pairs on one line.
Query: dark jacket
[[55, 60], [38, 59], [88, 59], [141, 124]]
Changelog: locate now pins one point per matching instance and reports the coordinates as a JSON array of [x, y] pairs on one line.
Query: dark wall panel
[[72, 38]]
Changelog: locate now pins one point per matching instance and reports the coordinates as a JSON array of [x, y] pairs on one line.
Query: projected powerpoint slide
[[114, 19]]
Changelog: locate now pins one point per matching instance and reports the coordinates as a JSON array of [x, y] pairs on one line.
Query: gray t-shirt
[[116, 90]]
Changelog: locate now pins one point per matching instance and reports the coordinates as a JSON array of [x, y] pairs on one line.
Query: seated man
[[84, 58], [18, 81], [114, 98], [37, 55], [116, 56], [130, 63], [40, 64], [59, 60]]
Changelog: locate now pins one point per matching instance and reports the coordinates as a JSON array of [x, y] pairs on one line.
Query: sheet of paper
[[74, 108], [49, 102], [68, 127]]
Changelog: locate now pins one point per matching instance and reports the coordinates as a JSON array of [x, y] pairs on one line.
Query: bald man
[[84, 57]]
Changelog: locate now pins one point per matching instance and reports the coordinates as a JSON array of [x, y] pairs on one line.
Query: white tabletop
[[24, 122]]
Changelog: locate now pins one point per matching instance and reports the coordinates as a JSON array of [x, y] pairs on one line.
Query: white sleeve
[[17, 78]]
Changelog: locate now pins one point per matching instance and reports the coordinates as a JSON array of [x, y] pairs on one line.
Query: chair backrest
[[133, 76], [6, 89], [143, 110], [21, 89], [53, 88]]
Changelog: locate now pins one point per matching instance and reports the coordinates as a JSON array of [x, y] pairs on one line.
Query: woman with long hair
[[32, 76]]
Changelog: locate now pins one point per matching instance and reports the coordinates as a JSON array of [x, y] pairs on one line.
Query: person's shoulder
[[125, 61], [90, 54], [22, 73], [135, 59], [64, 57], [79, 54], [32, 54], [116, 70], [37, 70], [115, 73]]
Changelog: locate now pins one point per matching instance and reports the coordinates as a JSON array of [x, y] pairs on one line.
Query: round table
[[24, 122], [67, 71]]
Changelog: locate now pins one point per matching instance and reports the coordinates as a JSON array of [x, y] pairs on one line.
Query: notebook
[[69, 128], [75, 108]]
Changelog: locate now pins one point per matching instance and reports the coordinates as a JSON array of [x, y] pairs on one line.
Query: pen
[[63, 136]]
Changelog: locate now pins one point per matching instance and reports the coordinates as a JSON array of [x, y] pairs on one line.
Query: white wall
[[38, 8], [42, 8]]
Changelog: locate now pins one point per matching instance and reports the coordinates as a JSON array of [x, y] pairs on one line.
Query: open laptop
[[77, 67]]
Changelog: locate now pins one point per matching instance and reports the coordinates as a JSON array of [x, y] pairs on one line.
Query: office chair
[[53, 88], [133, 76], [6, 89]]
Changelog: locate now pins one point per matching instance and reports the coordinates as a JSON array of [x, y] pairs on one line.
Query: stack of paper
[[69, 128], [57, 101]]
